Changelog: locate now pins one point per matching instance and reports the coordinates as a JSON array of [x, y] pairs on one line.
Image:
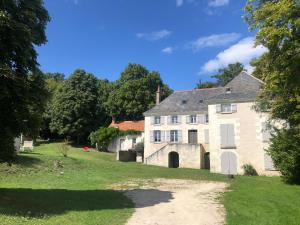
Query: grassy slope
[[35, 192]]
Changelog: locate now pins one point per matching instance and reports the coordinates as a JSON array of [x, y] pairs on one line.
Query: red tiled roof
[[129, 125]]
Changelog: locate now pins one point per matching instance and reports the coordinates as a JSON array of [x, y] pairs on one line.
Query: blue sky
[[185, 40]]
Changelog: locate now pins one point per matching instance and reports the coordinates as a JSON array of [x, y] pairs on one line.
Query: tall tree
[[53, 82], [75, 108], [22, 27], [225, 75], [278, 25], [134, 93]]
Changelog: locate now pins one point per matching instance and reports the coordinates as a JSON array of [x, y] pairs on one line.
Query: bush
[[64, 148], [103, 137], [285, 152], [249, 170]]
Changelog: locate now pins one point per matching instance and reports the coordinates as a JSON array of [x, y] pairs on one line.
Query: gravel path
[[177, 202]]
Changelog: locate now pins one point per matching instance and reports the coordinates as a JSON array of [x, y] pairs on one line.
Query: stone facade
[[230, 133]]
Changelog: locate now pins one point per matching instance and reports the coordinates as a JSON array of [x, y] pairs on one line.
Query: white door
[[228, 163]]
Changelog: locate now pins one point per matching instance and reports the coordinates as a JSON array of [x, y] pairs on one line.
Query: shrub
[[64, 148], [285, 152], [249, 170]]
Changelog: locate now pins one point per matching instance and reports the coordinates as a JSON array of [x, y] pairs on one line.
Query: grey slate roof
[[244, 88]]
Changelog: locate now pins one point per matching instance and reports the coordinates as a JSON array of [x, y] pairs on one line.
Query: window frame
[[174, 136], [226, 104], [191, 119], [157, 118], [157, 138], [174, 121]]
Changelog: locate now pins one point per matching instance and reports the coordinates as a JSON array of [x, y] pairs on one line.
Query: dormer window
[[228, 90]]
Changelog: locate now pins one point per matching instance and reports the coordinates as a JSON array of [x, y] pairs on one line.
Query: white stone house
[[215, 128], [127, 142]]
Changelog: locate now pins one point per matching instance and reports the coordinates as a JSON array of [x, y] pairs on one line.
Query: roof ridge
[[199, 89]]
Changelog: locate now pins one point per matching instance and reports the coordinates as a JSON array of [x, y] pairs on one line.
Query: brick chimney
[[158, 95]]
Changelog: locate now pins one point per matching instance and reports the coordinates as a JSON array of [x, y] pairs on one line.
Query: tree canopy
[[278, 25], [76, 110], [22, 27], [223, 77], [134, 93]]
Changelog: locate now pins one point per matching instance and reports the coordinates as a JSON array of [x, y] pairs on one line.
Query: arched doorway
[[228, 163], [173, 160]]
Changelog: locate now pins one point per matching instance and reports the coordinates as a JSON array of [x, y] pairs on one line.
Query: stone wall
[[189, 156]]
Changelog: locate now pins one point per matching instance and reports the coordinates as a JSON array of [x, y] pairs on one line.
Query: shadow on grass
[[40, 203], [25, 160]]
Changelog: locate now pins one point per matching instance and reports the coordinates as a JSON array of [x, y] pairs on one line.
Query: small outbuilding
[[128, 142]]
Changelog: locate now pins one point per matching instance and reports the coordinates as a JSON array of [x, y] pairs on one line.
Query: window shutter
[[179, 136], [201, 119], [223, 128], [168, 136], [162, 120], [206, 136], [152, 120], [169, 119], [269, 165], [188, 119], [218, 108], [230, 135], [151, 136], [179, 119], [265, 132], [162, 136], [233, 108]]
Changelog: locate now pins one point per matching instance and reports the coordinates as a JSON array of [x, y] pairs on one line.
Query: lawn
[[44, 187]]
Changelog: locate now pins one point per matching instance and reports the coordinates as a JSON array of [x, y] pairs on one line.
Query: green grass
[[35, 191], [262, 200]]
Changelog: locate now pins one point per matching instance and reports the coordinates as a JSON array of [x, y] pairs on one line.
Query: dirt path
[[177, 202]]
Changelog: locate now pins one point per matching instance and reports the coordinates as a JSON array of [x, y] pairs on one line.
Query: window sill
[[228, 147], [226, 112]]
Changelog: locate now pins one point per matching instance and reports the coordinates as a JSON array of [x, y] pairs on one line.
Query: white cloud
[[155, 35], [179, 3], [218, 3], [168, 50], [213, 41], [244, 51]]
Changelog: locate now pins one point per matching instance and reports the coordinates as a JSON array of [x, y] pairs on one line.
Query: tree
[[75, 108], [225, 75], [134, 93], [207, 84], [22, 27], [278, 25], [53, 82]]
